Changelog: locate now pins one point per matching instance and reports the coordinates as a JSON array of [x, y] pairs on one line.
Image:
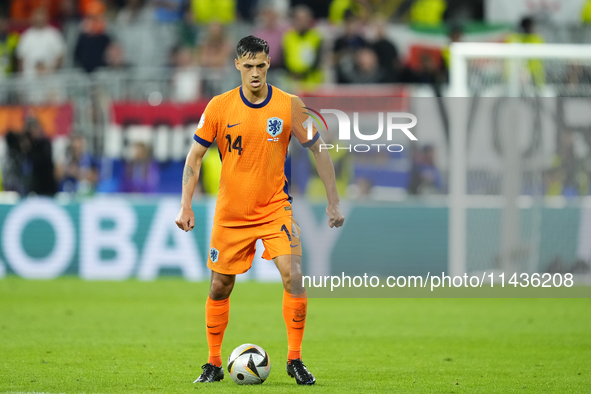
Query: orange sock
[[217, 314], [294, 314]]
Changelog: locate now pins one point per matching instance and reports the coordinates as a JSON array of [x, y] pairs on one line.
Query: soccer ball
[[249, 364]]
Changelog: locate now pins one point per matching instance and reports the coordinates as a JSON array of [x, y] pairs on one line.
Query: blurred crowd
[[311, 43], [31, 167], [343, 41]]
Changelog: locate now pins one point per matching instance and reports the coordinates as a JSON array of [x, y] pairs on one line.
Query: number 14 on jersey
[[237, 145]]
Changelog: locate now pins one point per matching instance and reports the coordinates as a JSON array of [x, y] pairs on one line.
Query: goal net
[[519, 142]]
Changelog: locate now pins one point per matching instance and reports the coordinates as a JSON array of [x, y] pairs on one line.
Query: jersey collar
[[260, 105]]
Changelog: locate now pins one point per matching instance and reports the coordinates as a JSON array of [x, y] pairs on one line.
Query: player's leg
[[295, 309], [295, 304], [231, 253], [283, 245], [217, 315], [295, 301]]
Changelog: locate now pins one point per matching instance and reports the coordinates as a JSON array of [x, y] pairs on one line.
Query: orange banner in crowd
[[56, 120], [21, 10]]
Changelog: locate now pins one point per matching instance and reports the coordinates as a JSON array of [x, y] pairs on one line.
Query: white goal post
[[510, 56]]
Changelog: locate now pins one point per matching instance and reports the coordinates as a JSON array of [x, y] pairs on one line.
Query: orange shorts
[[232, 249]]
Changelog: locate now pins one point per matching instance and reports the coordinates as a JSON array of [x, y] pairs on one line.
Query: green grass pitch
[[72, 336]]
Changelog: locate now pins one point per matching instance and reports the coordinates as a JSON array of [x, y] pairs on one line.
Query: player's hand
[[185, 220], [335, 215]]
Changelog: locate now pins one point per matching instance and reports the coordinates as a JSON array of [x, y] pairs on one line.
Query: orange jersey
[[253, 140]]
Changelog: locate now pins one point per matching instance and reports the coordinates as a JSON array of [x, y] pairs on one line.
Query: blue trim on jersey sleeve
[[203, 142], [286, 191], [312, 141], [260, 105]]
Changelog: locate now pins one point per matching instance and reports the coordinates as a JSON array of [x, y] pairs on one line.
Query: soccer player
[[253, 126]]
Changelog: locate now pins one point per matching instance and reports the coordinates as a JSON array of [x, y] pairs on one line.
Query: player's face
[[253, 71]]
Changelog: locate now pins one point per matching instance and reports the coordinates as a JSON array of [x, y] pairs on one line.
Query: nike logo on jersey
[[230, 126], [294, 246]]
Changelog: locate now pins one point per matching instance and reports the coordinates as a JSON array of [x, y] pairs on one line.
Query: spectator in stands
[[186, 78], [76, 166], [429, 71], [40, 44], [216, 50], [271, 28], [141, 172], [428, 12], [455, 35], [553, 181], [318, 8], [93, 41], [386, 51], [363, 9], [8, 44], [346, 46], [13, 165], [207, 11], [527, 35], [39, 151], [301, 47], [215, 53], [167, 11], [144, 42], [70, 19], [69, 13], [382, 8], [188, 30], [89, 182], [134, 12], [115, 58], [340, 8], [425, 178], [567, 176], [113, 7], [366, 68], [246, 9]]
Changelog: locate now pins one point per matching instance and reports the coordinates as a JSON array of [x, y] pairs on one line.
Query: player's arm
[[327, 175], [185, 220]]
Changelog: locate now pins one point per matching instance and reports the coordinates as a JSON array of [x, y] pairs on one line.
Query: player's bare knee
[[221, 286], [286, 282], [297, 287], [219, 292]]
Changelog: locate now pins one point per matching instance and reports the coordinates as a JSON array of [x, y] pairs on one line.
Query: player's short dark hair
[[250, 46]]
